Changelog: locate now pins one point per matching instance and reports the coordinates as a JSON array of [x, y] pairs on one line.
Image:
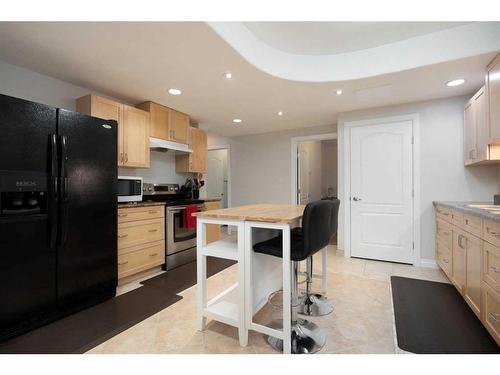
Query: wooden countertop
[[269, 213]]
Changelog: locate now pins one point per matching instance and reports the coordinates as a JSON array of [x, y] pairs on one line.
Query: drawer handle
[[153, 212], [446, 260], [122, 215], [466, 221], [122, 235], [153, 255], [495, 317], [494, 269], [491, 232], [123, 263], [153, 230]]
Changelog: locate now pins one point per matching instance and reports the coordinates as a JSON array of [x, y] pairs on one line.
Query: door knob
[[356, 199]]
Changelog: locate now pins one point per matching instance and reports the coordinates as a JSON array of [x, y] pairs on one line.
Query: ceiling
[[324, 38], [138, 61]]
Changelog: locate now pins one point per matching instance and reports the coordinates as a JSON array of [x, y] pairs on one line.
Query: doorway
[[380, 189], [217, 176], [314, 168]]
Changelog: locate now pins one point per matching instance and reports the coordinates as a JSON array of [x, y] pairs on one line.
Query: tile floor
[[362, 321]]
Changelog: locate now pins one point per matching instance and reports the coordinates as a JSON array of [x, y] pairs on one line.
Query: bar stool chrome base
[[307, 337], [315, 305]]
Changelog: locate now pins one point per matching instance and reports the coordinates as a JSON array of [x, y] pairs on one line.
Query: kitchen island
[[259, 275]]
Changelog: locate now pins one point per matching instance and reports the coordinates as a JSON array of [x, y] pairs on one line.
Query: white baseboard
[[428, 263]]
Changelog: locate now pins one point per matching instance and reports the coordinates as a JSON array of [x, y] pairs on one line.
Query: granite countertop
[[492, 213], [139, 204]]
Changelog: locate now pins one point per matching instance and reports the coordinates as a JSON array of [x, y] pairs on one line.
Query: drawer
[[139, 232], [141, 258], [491, 308], [491, 266], [443, 213], [457, 218], [473, 224], [140, 213], [444, 258], [444, 233], [491, 232]]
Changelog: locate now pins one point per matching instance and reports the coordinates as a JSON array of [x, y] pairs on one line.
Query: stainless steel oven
[[181, 242]]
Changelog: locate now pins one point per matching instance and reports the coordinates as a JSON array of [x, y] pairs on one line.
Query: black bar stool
[[307, 337], [311, 303]]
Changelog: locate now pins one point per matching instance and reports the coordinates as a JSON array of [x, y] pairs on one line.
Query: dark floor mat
[[88, 328], [433, 318], [185, 276]]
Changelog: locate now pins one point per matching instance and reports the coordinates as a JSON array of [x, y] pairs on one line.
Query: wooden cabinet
[[493, 98], [135, 137], [166, 123], [477, 132], [133, 128], [491, 313], [212, 230], [472, 292], [195, 162], [458, 274], [179, 127], [141, 239]]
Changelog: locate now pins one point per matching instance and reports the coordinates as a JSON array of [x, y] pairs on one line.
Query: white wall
[[443, 175], [261, 165]]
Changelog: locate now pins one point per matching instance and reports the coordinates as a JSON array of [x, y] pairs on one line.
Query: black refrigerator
[[58, 213]]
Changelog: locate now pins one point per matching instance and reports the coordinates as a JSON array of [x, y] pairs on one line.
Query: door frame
[[294, 149], [345, 176], [228, 148]]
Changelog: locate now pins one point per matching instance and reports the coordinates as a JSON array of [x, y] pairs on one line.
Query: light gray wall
[[261, 165], [443, 175]]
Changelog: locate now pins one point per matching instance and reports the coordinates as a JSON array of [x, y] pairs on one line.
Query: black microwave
[[129, 189]]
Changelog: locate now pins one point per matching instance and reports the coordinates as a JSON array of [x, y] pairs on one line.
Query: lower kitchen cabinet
[[468, 252], [141, 239]]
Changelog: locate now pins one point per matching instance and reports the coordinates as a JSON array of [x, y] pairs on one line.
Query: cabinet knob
[[123, 263], [153, 230], [122, 235]]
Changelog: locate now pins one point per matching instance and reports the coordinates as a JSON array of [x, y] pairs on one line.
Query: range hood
[[161, 145]]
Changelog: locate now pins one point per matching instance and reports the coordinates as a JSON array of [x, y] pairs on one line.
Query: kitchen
[[144, 155]]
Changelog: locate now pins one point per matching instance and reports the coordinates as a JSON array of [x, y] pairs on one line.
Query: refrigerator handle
[[53, 191], [63, 190]]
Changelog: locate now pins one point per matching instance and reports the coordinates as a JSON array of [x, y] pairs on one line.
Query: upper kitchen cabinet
[[135, 137], [493, 94], [133, 128], [477, 149], [166, 123], [195, 162]]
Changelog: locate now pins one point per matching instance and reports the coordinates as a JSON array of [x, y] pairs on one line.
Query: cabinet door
[[493, 91], [469, 133], [136, 137], [473, 277], [458, 275], [482, 126], [159, 121], [179, 127], [199, 155]]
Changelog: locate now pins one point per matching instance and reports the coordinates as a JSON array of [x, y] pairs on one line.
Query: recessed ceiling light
[[236, 120], [174, 91], [228, 75], [280, 113], [455, 82], [338, 92]]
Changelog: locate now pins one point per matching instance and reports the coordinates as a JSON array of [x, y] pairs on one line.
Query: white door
[[381, 192], [216, 182], [303, 175]]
